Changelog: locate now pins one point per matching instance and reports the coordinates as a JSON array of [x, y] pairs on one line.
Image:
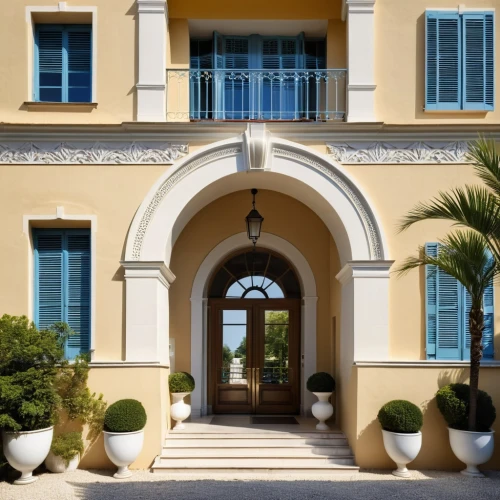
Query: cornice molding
[[364, 269], [91, 153], [399, 153]]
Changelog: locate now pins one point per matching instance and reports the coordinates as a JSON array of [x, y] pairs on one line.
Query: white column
[[360, 60], [147, 311], [364, 334], [151, 85], [199, 356], [308, 355]]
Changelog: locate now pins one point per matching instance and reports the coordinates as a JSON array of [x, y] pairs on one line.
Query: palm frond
[[465, 256], [486, 160]]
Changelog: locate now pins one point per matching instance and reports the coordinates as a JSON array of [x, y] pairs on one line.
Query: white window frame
[[60, 7]]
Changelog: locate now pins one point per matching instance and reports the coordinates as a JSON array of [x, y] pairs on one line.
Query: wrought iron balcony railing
[[228, 94]]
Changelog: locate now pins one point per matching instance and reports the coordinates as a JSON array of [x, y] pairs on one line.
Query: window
[[257, 77], [63, 63], [62, 283], [447, 311], [460, 61]]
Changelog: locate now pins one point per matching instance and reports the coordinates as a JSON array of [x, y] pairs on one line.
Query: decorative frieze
[[92, 153], [384, 152]]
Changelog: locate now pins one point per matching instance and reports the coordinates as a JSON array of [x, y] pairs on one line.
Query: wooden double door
[[254, 351]]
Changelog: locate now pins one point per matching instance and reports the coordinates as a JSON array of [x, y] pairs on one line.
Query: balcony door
[[254, 336], [255, 77]]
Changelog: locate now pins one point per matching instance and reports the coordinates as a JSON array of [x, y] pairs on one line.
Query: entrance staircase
[[239, 450]]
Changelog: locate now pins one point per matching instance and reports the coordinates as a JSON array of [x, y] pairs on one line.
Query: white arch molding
[[255, 159], [199, 327]]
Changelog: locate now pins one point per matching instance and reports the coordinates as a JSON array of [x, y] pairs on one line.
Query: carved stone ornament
[[256, 146], [386, 153], [108, 153]]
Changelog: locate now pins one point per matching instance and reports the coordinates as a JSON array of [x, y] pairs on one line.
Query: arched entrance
[[256, 159], [254, 335]]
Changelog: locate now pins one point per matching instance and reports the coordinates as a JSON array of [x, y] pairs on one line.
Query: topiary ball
[[401, 416], [126, 415], [453, 403], [321, 382], [181, 382]]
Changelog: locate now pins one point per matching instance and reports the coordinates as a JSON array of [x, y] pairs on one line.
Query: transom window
[[257, 274]]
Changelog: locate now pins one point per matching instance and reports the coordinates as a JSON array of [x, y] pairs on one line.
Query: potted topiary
[[29, 363], [472, 448], [180, 384], [322, 385], [401, 422], [65, 452], [124, 423]]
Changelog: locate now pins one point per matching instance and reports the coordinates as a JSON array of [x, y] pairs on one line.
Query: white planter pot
[[472, 448], [25, 451], [58, 464], [322, 410], [402, 448], [179, 410], [123, 448]]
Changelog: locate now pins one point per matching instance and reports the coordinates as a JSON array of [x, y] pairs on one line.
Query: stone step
[[252, 462], [254, 435], [257, 473], [258, 452], [251, 442]]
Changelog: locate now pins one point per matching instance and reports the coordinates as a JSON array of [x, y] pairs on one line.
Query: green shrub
[[453, 403], [321, 382], [181, 382], [67, 446], [30, 361], [400, 416], [126, 415]]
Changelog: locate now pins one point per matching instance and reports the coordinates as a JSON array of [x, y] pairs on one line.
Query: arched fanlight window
[[257, 274]]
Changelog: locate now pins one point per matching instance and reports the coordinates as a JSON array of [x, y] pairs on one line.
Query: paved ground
[[99, 485]]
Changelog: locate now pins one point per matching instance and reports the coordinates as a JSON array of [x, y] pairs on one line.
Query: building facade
[[131, 134]]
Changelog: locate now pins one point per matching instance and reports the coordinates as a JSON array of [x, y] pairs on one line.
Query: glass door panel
[[275, 363], [234, 347]]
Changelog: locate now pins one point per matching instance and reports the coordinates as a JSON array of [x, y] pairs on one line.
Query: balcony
[[261, 95]]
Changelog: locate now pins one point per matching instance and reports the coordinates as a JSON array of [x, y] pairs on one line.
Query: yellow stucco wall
[[116, 63], [400, 63], [377, 386], [259, 9]]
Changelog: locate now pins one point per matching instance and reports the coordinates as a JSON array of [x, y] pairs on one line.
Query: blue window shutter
[[219, 76], [79, 63], [78, 292], [62, 284], [489, 320], [479, 52], [443, 65], [49, 64], [49, 300], [467, 301], [431, 284]]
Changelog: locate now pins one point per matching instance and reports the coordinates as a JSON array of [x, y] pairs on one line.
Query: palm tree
[[465, 256], [474, 207]]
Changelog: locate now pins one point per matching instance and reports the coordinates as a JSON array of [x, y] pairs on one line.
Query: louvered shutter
[[78, 292], [79, 49], [219, 77], [49, 64], [49, 301], [62, 284], [431, 285], [489, 323], [479, 52], [443, 65], [236, 82]]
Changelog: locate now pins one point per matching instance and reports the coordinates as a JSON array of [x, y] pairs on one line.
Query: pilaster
[[147, 311], [151, 85], [361, 86]]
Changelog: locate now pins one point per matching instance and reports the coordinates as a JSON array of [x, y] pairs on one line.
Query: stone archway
[[256, 159]]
